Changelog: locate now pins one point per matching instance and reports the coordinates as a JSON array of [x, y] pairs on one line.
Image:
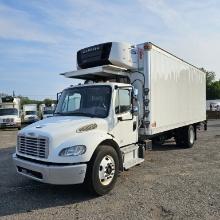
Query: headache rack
[[106, 72]]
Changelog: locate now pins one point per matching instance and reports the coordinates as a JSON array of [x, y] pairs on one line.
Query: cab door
[[125, 128]]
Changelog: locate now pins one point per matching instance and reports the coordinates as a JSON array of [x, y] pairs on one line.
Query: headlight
[[73, 151]]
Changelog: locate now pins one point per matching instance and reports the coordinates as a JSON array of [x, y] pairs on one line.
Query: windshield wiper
[[82, 114], [76, 114], [58, 113]]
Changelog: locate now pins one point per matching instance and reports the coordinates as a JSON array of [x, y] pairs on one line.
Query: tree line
[[212, 85], [26, 100]]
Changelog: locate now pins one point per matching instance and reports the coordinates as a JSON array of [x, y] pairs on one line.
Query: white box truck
[[132, 94], [48, 112], [30, 113], [10, 112]]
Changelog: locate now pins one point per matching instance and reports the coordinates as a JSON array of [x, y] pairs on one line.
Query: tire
[[189, 137], [102, 170], [185, 137]]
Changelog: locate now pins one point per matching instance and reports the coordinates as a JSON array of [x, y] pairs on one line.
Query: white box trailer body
[[10, 102], [30, 113], [177, 90], [104, 126]]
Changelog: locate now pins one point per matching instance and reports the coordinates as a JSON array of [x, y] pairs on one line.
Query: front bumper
[[53, 174], [10, 125], [30, 120]]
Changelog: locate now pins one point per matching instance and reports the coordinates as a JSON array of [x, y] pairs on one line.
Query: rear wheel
[[103, 170], [190, 136], [185, 137]]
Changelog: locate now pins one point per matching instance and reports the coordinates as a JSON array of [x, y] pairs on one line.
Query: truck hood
[[63, 126]]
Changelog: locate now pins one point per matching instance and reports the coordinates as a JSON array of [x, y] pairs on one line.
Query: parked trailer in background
[[133, 94], [30, 113], [10, 112]]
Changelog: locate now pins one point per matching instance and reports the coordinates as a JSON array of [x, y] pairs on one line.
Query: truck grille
[[33, 146], [8, 120]]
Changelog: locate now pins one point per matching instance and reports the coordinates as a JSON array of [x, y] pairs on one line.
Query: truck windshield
[[90, 101], [30, 112], [48, 112], [8, 111]]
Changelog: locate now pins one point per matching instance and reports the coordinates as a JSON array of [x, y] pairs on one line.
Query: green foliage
[[48, 102], [213, 90], [26, 100], [210, 76], [212, 86]]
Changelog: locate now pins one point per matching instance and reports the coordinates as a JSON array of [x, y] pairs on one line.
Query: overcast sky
[[39, 38]]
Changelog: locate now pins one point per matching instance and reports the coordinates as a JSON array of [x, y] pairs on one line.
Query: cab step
[[130, 155]]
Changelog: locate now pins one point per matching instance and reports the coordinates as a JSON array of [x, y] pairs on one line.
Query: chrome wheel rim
[[191, 138], [106, 170]]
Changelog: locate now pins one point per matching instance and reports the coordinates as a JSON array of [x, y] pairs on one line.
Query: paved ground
[[171, 184]]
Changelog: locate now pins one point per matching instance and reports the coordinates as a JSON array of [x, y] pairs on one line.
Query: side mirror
[[58, 96]]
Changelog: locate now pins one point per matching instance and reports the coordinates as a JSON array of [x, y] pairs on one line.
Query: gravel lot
[[172, 183]]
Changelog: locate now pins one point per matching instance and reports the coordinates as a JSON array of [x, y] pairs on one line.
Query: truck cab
[[91, 122]]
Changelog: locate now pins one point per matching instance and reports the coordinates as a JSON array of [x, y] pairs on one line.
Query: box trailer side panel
[[177, 92]]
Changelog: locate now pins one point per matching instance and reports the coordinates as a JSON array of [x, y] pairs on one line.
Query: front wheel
[[103, 170]]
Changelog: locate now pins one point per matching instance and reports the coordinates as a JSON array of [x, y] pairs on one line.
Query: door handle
[[134, 125]]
